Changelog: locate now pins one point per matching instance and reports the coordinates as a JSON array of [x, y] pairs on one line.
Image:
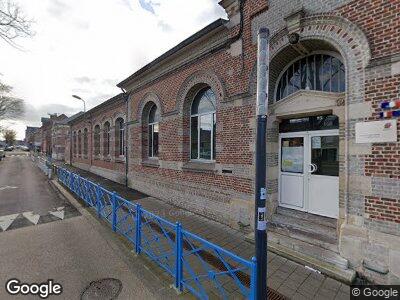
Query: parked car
[[2, 153], [9, 148]]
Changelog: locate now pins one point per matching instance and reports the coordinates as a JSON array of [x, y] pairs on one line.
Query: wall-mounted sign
[[376, 132]]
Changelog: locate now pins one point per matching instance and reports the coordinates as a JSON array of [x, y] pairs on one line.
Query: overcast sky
[[86, 47]]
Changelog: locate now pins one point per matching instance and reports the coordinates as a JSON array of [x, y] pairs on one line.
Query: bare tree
[[9, 136], [13, 23], [10, 107]]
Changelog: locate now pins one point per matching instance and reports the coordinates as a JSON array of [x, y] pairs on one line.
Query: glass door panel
[[292, 155], [325, 155]]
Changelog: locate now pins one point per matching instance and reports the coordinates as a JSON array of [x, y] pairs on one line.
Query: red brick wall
[[383, 209], [380, 21], [385, 158]]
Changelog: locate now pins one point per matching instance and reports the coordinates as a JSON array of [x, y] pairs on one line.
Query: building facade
[[33, 138], [184, 131], [50, 133]]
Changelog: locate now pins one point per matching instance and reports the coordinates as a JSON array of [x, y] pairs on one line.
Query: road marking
[[6, 221], [31, 217], [8, 187], [58, 214]]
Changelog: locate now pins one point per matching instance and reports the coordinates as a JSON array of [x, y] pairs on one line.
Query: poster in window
[[292, 159]]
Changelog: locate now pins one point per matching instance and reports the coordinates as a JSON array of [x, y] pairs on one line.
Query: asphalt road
[[24, 188], [64, 242]]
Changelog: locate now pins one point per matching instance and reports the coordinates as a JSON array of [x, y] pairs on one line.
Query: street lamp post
[[79, 98], [261, 168]]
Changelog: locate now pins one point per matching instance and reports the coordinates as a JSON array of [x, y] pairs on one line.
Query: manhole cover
[[103, 289]]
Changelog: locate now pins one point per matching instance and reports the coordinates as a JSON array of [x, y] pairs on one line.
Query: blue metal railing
[[201, 267]]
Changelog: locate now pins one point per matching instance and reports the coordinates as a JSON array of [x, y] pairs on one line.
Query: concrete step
[[303, 229], [323, 241], [325, 221], [327, 262]]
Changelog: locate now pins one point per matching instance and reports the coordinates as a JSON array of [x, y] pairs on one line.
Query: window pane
[[155, 139], [278, 91], [203, 102], [214, 136], [194, 136], [290, 80], [296, 76], [311, 72], [335, 74], [326, 73], [325, 155], [285, 90], [150, 140], [318, 72], [303, 71], [205, 136], [342, 79], [292, 155]]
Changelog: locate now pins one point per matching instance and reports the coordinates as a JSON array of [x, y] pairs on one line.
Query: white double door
[[309, 171]]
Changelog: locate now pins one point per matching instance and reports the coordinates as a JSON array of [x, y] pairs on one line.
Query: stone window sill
[[152, 163], [199, 166], [120, 159]]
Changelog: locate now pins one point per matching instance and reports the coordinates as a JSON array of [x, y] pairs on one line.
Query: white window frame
[[213, 113], [151, 127]]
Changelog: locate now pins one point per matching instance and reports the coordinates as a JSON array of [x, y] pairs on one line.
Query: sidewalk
[[284, 276]]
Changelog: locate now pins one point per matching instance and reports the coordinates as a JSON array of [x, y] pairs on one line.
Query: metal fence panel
[[203, 268]]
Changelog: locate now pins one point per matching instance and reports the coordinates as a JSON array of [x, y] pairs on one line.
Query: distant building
[[60, 138], [33, 137], [47, 132]]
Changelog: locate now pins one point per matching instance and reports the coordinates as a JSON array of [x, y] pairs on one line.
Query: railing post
[[98, 201], [253, 278], [178, 257], [114, 211], [138, 237], [71, 181]]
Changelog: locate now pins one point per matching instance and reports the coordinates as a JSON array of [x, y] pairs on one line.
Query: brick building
[[47, 132], [184, 130], [33, 137]]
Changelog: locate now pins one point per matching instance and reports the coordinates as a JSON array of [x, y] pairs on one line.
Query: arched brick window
[[74, 148], [96, 141], [203, 126], [85, 142], [318, 72], [106, 139], [153, 131], [119, 137], [79, 142]]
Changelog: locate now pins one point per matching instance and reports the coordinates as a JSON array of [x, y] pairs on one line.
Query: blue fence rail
[[203, 268]]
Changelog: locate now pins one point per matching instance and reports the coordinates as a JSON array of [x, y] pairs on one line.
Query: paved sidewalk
[[288, 278]]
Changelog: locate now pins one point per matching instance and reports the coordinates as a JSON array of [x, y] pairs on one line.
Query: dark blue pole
[[178, 257], [138, 228], [114, 211], [261, 166]]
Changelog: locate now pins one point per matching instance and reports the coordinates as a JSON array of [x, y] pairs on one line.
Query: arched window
[[106, 139], [79, 142], [318, 72], [85, 142], [74, 144], [96, 138], [154, 119], [203, 125], [119, 137]]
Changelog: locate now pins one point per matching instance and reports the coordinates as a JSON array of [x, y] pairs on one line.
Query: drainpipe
[[126, 94]]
